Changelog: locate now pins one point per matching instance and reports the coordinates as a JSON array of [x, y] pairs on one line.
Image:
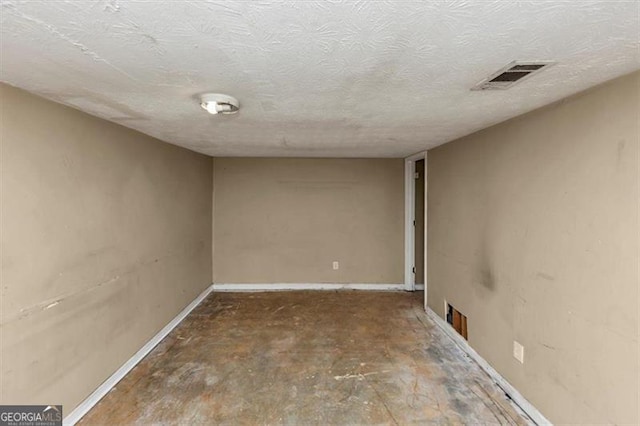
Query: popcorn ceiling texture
[[314, 78]]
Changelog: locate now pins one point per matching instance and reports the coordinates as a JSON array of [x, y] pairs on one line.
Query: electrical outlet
[[518, 352], [336, 265]]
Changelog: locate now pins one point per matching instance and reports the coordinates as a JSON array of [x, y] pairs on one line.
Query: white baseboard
[[517, 398], [251, 287], [418, 286], [106, 386]]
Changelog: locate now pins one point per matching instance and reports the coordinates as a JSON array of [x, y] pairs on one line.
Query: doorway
[[418, 228], [415, 222]]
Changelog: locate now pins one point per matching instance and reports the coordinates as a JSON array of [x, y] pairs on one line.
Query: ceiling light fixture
[[216, 103]]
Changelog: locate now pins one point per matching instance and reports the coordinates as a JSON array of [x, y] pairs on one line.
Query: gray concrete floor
[[304, 358]]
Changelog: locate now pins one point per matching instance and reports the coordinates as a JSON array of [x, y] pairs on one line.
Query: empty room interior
[[319, 212]]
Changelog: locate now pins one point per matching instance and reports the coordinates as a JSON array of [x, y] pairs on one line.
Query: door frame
[[409, 217]]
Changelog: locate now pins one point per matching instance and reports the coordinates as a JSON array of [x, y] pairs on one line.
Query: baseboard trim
[[251, 287], [517, 398], [106, 386], [418, 286]]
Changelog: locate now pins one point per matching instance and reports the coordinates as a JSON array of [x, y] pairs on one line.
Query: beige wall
[[533, 234], [106, 236], [287, 220]]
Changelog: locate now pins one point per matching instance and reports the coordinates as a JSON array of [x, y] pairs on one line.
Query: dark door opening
[[418, 227]]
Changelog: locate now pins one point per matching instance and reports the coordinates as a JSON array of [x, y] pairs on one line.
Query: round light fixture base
[[217, 103]]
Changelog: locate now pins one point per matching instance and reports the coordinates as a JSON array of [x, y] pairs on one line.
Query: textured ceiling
[[315, 78]]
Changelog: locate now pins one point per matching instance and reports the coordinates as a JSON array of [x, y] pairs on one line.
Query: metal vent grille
[[513, 73]]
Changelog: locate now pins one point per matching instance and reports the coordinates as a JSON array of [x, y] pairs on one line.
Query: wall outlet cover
[[336, 265], [518, 351]]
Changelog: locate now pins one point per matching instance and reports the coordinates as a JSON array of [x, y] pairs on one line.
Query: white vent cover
[[513, 73]]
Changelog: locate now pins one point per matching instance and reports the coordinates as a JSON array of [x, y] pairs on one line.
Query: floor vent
[[457, 321], [513, 73]]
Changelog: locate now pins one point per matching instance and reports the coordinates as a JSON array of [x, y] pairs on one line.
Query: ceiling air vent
[[513, 73]]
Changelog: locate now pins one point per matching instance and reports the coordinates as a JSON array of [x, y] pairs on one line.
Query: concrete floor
[[306, 358]]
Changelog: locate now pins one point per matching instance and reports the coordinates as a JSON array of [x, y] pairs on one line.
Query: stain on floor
[[304, 358]]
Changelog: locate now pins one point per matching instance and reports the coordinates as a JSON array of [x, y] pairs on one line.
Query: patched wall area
[[533, 235], [287, 220], [106, 236]]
